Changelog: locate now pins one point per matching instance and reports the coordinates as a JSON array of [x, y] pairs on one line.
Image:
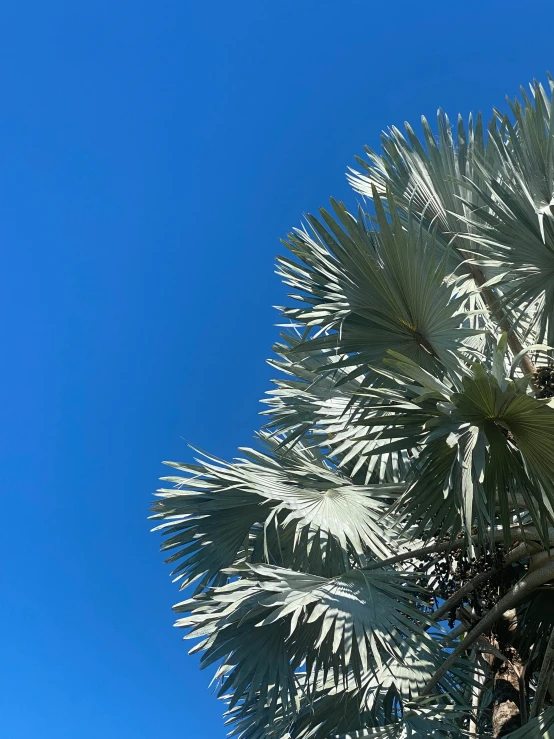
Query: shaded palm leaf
[[322, 712], [480, 443], [541, 726], [420, 720]]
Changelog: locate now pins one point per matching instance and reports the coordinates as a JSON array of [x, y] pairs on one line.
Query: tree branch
[[519, 592], [469, 587], [457, 631], [517, 533], [516, 553]]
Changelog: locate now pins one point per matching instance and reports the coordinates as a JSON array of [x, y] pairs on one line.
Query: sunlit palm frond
[[371, 291], [324, 405], [445, 182], [341, 628], [429, 177], [312, 389], [292, 509], [515, 225]]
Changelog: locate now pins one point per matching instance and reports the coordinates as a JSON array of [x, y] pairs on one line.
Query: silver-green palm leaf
[[369, 290]]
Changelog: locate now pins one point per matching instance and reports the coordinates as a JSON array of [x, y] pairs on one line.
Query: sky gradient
[[152, 155]]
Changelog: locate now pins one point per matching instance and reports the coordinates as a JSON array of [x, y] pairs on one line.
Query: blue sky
[[152, 155]]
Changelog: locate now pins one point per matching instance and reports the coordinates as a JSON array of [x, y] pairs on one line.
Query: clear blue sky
[[152, 154]]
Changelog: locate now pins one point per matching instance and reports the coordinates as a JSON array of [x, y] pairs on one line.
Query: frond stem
[[469, 587], [517, 553], [517, 533]]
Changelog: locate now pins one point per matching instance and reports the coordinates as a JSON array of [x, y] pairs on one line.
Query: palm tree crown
[[379, 564]]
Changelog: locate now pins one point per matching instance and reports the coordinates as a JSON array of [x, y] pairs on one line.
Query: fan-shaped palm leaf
[[479, 444], [431, 177], [324, 404], [515, 225], [541, 726], [420, 720], [373, 291], [343, 627], [293, 509]]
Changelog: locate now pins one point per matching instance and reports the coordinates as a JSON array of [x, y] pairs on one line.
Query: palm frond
[[430, 178], [341, 628], [370, 291], [323, 404], [541, 726], [293, 509], [323, 711], [480, 443], [420, 720], [515, 225]]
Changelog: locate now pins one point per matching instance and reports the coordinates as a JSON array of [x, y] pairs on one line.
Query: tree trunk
[[506, 700]]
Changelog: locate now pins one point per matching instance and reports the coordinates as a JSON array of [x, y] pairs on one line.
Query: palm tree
[[379, 564]]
